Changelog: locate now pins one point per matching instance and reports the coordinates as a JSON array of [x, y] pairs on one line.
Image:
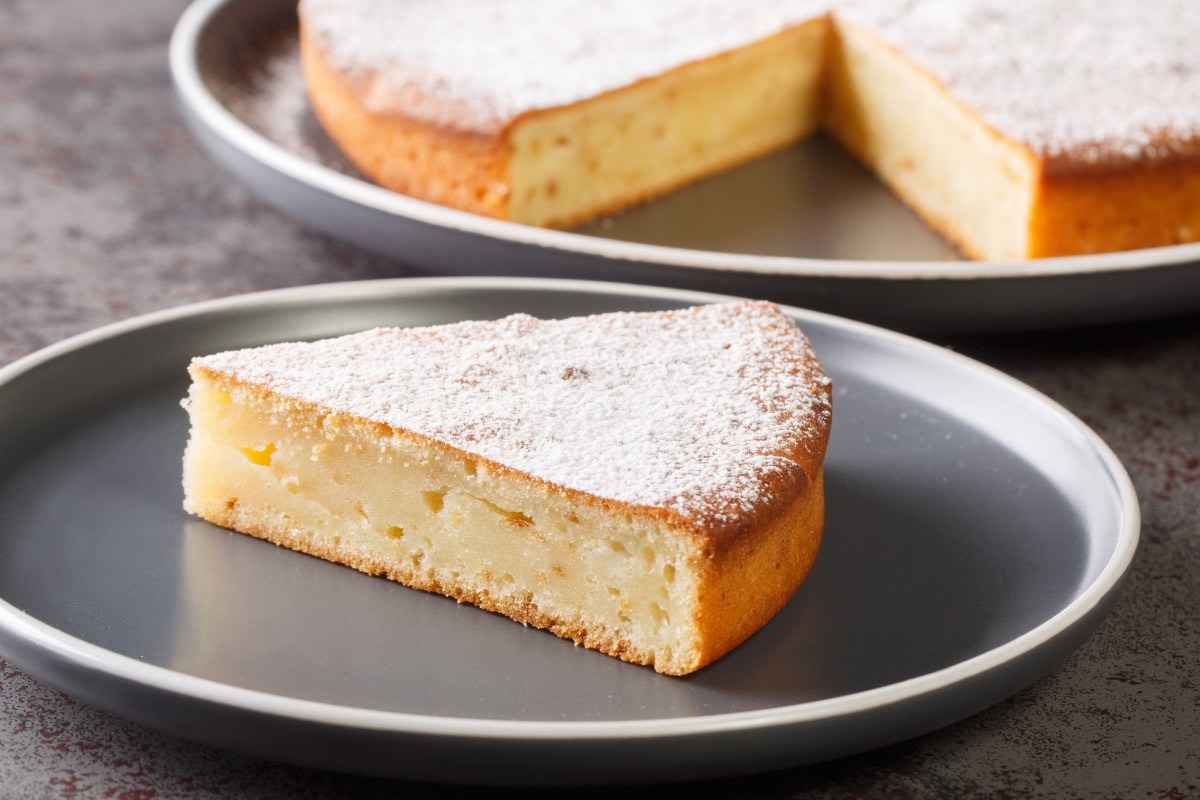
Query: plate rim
[[183, 59], [82, 653]]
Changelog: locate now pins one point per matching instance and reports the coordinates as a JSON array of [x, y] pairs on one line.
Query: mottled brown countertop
[[108, 209]]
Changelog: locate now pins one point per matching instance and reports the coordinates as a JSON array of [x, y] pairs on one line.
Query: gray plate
[[976, 534], [806, 227]]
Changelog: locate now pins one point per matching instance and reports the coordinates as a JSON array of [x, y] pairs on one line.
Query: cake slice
[[646, 484]]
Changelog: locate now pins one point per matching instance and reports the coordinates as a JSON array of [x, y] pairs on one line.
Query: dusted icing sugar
[[697, 411]]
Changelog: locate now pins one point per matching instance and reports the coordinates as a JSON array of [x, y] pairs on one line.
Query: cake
[[648, 485], [1018, 130]]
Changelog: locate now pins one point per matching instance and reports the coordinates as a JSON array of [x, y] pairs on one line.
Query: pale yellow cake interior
[[973, 186], [570, 164], [392, 505]]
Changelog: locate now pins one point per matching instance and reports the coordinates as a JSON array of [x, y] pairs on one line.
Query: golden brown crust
[[773, 559], [1117, 208], [467, 170]]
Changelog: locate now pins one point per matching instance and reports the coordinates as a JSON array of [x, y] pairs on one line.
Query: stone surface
[[108, 210]]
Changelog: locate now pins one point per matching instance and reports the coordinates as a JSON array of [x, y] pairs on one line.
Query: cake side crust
[[774, 560], [1115, 209], [466, 170]]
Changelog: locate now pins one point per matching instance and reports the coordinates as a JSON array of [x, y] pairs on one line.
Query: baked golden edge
[[1115, 208], [774, 559], [466, 170], [773, 556]]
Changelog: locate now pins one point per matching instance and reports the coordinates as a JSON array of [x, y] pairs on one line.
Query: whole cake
[[646, 484], [1018, 129]]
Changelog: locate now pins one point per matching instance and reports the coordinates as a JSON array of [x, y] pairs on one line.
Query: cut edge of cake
[[645, 583], [971, 184]]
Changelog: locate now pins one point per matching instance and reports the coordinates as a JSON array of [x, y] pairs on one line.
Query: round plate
[[806, 226], [976, 534]]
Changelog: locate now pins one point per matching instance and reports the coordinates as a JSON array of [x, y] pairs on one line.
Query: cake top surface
[[713, 413], [480, 64], [1076, 81]]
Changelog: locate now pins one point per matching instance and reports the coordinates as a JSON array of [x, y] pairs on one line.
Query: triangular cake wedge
[[646, 484]]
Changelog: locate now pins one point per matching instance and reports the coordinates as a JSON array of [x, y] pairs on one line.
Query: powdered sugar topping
[[700, 411]]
